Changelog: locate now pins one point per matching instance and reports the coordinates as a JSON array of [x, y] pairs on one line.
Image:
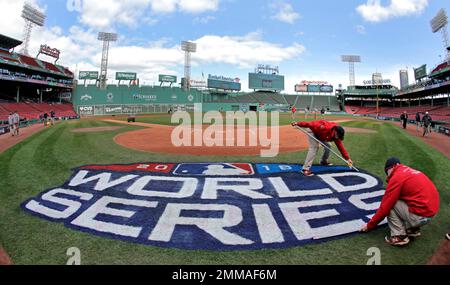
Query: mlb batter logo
[[212, 206], [215, 169]]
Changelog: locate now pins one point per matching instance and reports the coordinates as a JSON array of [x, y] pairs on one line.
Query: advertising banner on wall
[[314, 88], [113, 110], [420, 72], [126, 76], [86, 110], [225, 85], [326, 89], [167, 78], [301, 88], [88, 75]]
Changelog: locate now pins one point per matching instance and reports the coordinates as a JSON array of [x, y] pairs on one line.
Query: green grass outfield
[[45, 161], [284, 119]]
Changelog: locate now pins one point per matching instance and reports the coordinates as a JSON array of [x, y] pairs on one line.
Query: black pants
[[426, 129], [405, 122]]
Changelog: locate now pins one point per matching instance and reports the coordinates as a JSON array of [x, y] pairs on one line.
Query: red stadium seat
[[33, 110], [51, 67], [30, 61]]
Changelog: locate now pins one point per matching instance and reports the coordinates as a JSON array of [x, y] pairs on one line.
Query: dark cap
[[340, 132], [391, 162]]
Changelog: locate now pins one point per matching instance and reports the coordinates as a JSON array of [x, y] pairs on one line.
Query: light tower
[[351, 59], [106, 38], [32, 16], [440, 23], [188, 48]]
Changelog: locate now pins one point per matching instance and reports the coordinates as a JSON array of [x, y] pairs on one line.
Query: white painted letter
[[213, 226], [331, 180], [187, 190], [72, 206], [299, 221], [285, 192], [103, 182], [87, 218], [267, 225]]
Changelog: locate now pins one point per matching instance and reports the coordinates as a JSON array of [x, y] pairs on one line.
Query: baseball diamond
[[237, 147]]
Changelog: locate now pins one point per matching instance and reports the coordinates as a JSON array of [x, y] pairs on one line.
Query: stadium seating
[[265, 98], [29, 61], [3, 113], [50, 67], [24, 60], [290, 99], [32, 111], [68, 72], [277, 98], [440, 67], [11, 59], [320, 102], [438, 113], [303, 102]]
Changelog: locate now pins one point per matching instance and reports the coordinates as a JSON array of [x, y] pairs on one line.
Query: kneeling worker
[[411, 201], [324, 132]]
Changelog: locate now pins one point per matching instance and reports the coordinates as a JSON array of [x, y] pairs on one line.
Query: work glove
[[350, 163]]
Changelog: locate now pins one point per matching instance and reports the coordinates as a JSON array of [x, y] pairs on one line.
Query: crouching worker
[[410, 202], [324, 132]]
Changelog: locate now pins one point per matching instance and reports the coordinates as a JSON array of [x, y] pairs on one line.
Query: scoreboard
[[225, 85], [270, 82]]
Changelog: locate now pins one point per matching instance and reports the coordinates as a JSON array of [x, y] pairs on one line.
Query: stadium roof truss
[[8, 43]]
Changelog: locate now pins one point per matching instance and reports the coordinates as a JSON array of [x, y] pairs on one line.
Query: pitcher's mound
[[158, 139]]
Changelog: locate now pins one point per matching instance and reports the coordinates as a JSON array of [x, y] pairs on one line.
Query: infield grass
[[45, 161]]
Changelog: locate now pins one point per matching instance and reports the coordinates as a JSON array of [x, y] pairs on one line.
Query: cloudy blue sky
[[304, 38]]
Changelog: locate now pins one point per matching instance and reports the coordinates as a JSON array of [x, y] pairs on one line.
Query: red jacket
[[414, 188], [324, 132]]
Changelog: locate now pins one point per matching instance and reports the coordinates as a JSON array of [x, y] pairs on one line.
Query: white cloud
[[360, 29], [190, 6], [76, 46], [285, 13], [243, 52], [80, 49], [374, 11], [104, 14], [204, 20], [108, 13], [11, 24], [238, 52]]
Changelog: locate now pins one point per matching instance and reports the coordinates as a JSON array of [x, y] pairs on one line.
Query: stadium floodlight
[[32, 16], [188, 48], [106, 38], [110, 37], [351, 59], [440, 23]]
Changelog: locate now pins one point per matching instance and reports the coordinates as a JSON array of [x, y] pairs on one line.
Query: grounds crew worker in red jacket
[[325, 132], [411, 201]]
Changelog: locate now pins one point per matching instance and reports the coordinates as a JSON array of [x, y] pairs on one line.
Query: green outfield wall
[[115, 100]]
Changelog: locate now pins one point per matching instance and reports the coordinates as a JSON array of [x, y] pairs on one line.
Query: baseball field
[[46, 160]]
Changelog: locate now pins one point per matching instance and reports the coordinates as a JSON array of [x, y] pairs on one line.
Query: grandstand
[[91, 100], [427, 95], [33, 111], [31, 86]]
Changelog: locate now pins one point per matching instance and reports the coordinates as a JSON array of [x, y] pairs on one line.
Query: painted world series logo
[[212, 206]]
